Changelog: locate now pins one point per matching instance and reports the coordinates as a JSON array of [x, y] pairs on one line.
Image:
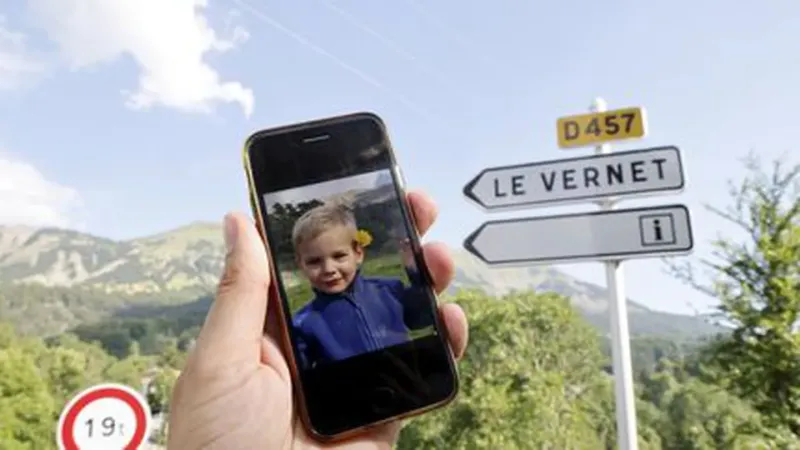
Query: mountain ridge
[[184, 263], [182, 258]]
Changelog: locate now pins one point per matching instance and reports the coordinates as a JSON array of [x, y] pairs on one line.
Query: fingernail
[[230, 232]]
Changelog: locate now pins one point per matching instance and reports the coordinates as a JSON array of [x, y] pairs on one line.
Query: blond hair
[[322, 218]]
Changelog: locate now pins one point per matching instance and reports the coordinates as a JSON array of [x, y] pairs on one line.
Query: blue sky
[[127, 118]]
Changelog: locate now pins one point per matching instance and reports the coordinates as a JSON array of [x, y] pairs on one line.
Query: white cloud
[[16, 64], [27, 197], [168, 40]]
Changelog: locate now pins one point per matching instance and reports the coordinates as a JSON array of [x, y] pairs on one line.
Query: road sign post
[[610, 235], [600, 126], [607, 235], [631, 173], [627, 436]]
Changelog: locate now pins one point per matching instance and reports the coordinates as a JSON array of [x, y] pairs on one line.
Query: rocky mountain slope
[[189, 257], [96, 276]]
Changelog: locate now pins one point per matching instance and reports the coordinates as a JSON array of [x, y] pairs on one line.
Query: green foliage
[[384, 222], [47, 311], [38, 378], [531, 379], [26, 407], [43, 310], [757, 281], [160, 389], [647, 352], [694, 415], [281, 220], [532, 364], [151, 335]]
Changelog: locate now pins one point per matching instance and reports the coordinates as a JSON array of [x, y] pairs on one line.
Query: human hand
[[235, 391]]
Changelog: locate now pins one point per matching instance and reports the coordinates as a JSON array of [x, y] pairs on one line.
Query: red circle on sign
[[66, 432]]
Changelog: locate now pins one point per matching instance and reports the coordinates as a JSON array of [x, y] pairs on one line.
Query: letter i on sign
[[104, 417], [657, 230]]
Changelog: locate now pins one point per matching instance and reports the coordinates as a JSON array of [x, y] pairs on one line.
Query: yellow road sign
[[595, 128]]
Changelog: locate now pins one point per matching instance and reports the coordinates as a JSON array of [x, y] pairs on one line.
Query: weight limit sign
[[104, 417]]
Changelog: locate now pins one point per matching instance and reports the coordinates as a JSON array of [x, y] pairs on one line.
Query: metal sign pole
[[610, 235], [627, 438]]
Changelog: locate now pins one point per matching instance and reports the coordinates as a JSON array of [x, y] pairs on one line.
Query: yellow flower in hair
[[363, 238]]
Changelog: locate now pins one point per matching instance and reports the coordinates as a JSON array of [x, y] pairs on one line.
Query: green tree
[[602, 409], [757, 282], [27, 408], [38, 378], [70, 365], [282, 219], [163, 377], [528, 379], [129, 371], [689, 414], [172, 355]]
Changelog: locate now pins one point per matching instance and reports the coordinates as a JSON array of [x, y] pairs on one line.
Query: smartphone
[[362, 333]]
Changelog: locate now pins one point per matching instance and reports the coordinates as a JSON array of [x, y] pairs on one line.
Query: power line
[[335, 59], [454, 35], [445, 81]]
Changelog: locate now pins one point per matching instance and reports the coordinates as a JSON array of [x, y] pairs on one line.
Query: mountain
[[188, 258], [361, 197], [383, 179], [379, 194], [590, 299], [52, 279]]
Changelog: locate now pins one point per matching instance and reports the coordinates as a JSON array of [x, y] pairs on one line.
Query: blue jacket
[[372, 313]]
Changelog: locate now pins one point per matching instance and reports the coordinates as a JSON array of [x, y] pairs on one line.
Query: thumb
[[236, 318]]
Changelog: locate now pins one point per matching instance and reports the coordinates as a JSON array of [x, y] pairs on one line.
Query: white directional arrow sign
[[602, 235], [632, 173]]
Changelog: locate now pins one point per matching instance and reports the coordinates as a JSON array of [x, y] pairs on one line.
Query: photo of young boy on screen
[[347, 271], [350, 313]]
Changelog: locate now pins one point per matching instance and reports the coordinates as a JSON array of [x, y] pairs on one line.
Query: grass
[[422, 332]]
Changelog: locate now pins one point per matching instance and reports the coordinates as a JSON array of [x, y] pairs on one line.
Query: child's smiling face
[[330, 260]]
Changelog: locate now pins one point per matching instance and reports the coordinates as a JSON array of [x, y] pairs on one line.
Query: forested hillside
[[536, 373]]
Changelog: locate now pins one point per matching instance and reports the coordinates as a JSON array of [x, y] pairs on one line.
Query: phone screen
[[356, 294]]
